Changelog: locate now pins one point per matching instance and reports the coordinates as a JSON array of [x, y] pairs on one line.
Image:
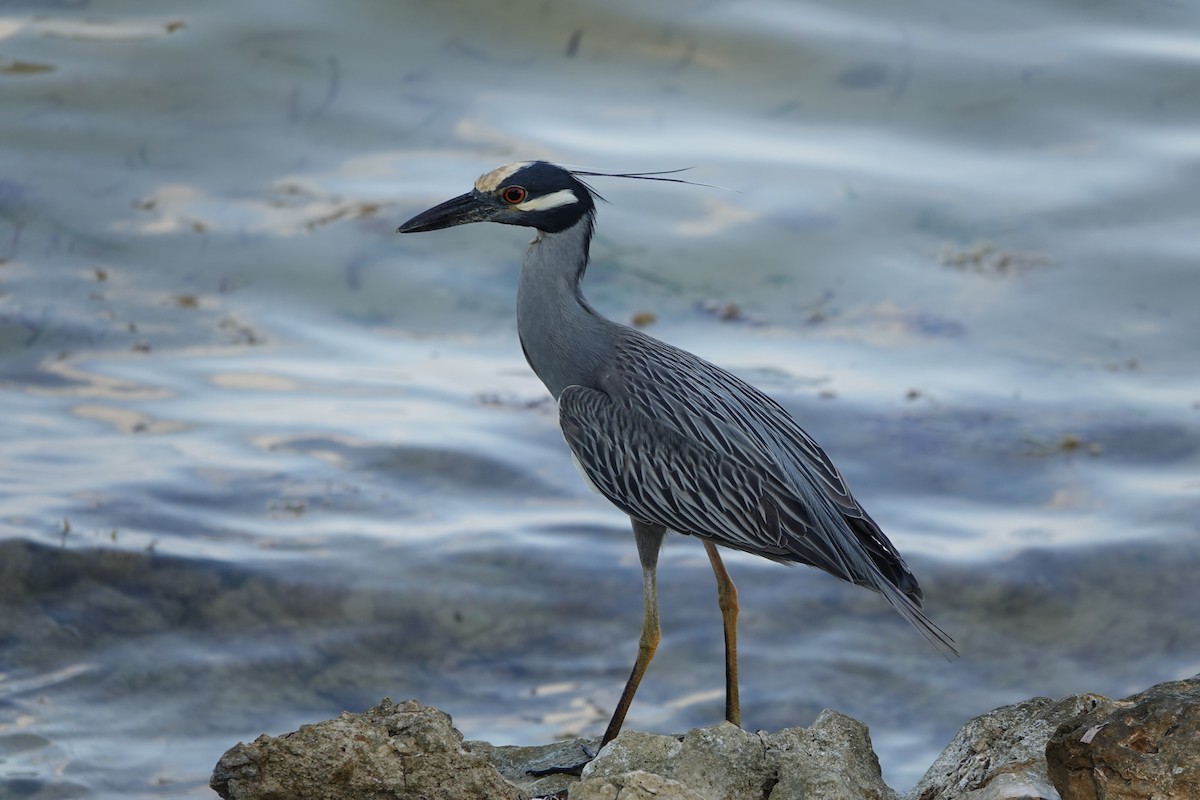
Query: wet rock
[[1146, 747], [831, 759], [392, 751], [1001, 754]]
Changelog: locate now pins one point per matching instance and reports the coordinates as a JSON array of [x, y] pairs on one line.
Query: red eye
[[514, 194]]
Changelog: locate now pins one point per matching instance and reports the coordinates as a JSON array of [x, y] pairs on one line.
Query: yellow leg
[[727, 599], [649, 541]]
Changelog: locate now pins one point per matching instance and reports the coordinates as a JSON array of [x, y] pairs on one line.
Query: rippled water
[[263, 460]]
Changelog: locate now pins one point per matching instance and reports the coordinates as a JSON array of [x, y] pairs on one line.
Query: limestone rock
[[1146, 747], [1001, 754], [392, 752], [633, 785], [635, 750], [722, 761], [832, 760], [1085, 747]]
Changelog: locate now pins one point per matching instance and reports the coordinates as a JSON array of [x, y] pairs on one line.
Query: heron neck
[[563, 337]]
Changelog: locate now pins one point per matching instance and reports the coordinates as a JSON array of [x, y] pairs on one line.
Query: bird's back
[[674, 440]]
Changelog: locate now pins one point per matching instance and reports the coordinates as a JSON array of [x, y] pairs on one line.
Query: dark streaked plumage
[[717, 458], [672, 440]]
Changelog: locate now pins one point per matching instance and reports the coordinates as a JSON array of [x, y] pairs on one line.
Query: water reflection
[[264, 461]]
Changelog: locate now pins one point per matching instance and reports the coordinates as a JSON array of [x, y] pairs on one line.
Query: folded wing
[[711, 456]]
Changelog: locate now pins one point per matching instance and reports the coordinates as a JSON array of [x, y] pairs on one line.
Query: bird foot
[[565, 769]]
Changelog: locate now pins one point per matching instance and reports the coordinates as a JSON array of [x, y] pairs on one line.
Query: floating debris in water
[[514, 403], [984, 258], [641, 319], [726, 311], [1065, 444]]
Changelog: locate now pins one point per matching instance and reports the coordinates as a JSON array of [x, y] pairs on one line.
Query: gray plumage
[[672, 440]]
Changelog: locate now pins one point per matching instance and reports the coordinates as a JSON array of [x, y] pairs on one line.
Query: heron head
[[533, 194]]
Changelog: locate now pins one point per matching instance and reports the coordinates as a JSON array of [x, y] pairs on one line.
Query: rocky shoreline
[[1146, 746]]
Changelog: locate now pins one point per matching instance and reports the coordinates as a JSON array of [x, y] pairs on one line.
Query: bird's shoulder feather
[[718, 411]]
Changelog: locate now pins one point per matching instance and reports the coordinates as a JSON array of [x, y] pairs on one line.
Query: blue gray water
[[263, 460]]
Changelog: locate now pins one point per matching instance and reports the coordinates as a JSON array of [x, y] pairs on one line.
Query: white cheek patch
[[563, 197]]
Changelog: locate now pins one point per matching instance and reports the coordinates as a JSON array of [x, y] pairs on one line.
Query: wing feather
[[673, 440]]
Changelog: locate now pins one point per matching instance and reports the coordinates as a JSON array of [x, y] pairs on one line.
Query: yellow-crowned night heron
[[673, 441]]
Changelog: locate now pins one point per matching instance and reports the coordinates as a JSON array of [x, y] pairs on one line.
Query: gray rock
[[633, 785], [1146, 747], [1085, 747], [635, 750], [1014, 786], [723, 761], [832, 759], [1008, 742], [392, 752], [514, 762]]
